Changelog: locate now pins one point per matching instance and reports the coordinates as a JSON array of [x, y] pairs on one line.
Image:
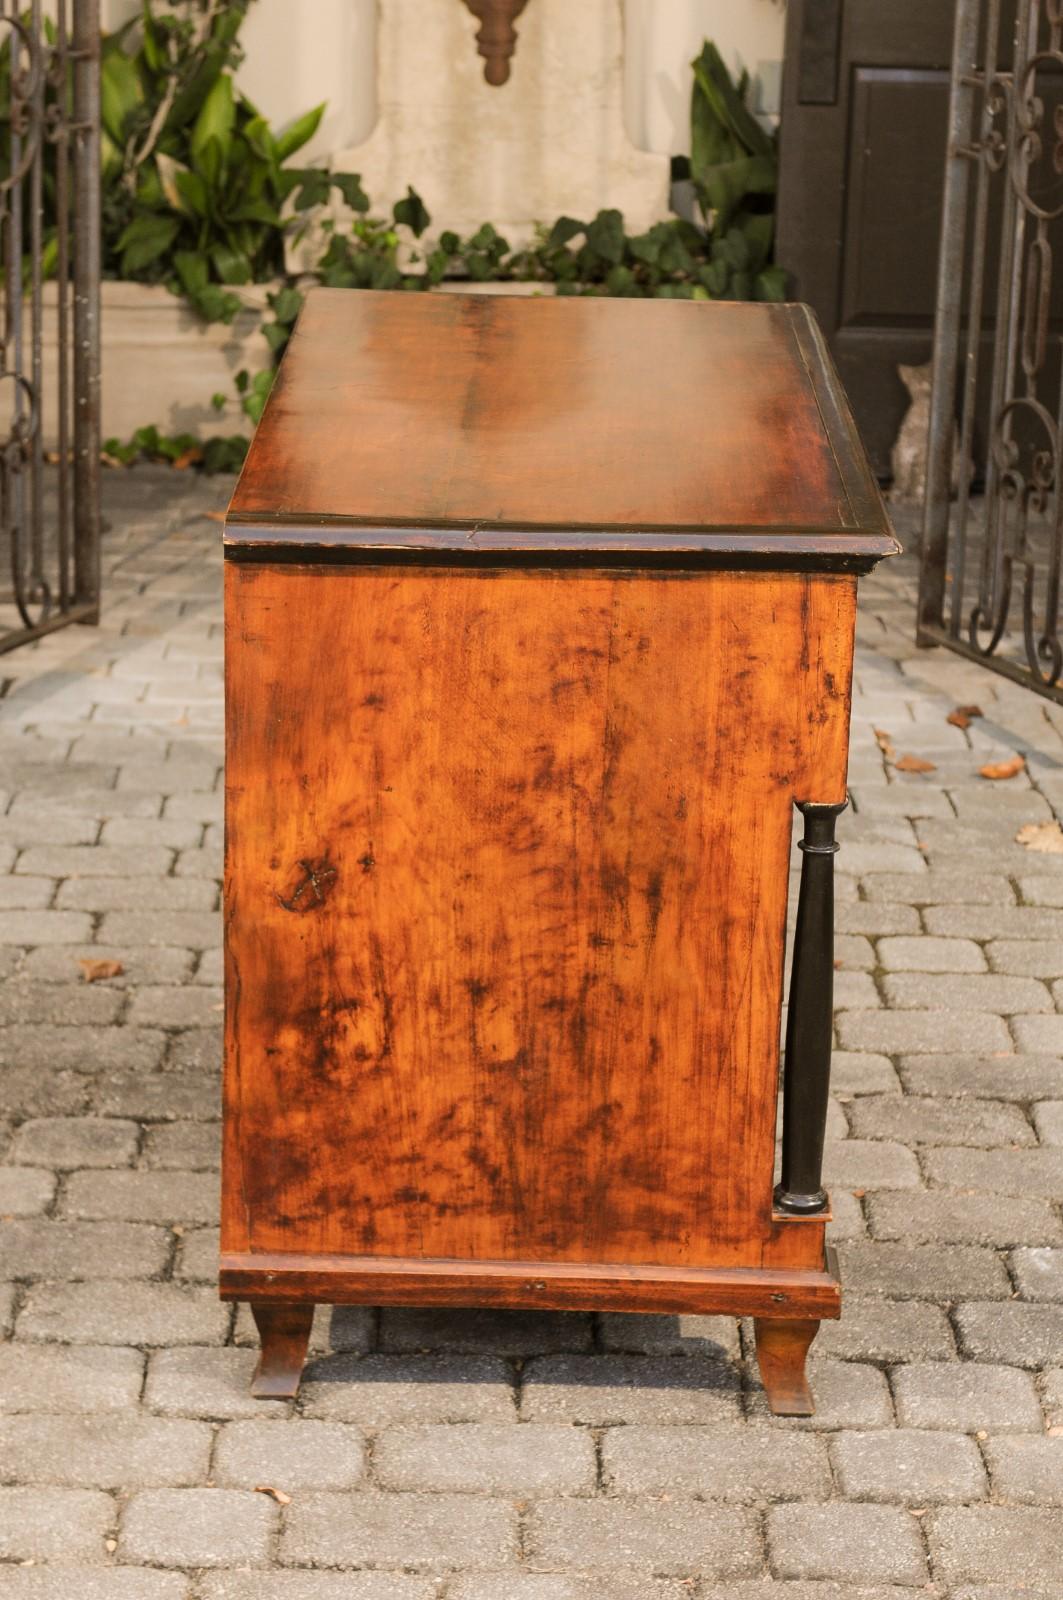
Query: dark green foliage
[[734, 167], [195, 180], [199, 193], [178, 450]]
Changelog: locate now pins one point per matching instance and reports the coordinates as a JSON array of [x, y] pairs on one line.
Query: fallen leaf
[[1003, 769], [859, 1193], [1056, 1432], [884, 741], [963, 716], [1044, 837], [914, 764], [918, 1511], [279, 1495], [93, 969], [110, 461], [110, 1545], [188, 458], [837, 966], [215, 516]]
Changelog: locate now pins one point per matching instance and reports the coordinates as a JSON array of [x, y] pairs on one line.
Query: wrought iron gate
[[50, 350], [990, 572]]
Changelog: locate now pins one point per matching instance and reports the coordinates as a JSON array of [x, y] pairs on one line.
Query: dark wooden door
[[865, 107]]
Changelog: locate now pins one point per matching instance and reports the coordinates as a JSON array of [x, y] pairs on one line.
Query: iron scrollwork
[[977, 573], [49, 228]]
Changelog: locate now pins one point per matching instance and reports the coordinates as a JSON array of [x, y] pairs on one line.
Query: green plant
[[734, 168], [222, 454], [195, 182], [199, 193]]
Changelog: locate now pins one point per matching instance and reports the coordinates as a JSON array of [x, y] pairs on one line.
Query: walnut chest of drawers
[[539, 625]]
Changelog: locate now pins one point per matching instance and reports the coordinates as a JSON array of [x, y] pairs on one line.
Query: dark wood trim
[[862, 491], [339, 542], [551, 1285]]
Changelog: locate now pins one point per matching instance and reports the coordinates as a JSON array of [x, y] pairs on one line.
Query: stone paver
[[197, 1527], [105, 1452], [1015, 1545], [425, 1532], [456, 1455], [851, 1543], [672, 1537], [910, 1465], [969, 1397]]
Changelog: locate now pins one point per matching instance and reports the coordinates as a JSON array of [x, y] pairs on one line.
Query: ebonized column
[[810, 1019]]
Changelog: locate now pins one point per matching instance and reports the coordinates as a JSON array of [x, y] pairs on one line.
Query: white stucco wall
[[662, 36], [300, 52]]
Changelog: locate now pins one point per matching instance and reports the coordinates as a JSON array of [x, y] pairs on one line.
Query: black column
[[810, 1020]]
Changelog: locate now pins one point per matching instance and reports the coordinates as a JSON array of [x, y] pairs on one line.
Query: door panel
[[893, 203], [861, 185], [860, 189]]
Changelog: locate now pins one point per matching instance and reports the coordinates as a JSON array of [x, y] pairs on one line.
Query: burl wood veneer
[[539, 624]]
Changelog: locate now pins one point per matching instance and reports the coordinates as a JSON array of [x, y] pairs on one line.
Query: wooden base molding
[[551, 1285]]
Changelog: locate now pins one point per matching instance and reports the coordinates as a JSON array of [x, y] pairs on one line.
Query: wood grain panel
[[485, 412], [505, 894]]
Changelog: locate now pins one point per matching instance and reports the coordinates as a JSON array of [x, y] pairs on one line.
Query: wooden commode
[[539, 624]]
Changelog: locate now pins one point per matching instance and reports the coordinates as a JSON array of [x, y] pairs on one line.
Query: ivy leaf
[[276, 335], [350, 186], [605, 236], [257, 393], [225, 454], [215, 304], [771, 284], [411, 212], [286, 304], [314, 187], [646, 247], [563, 230]]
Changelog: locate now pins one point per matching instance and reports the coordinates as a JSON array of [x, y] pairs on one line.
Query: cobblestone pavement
[[454, 1456]]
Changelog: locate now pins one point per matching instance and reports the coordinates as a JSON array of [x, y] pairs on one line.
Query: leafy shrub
[[194, 179], [200, 194]]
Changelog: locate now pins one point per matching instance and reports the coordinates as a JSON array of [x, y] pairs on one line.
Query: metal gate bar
[[50, 225], [1005, 133]]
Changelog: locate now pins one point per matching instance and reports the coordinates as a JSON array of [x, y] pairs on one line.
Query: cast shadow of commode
[[582, 1367]]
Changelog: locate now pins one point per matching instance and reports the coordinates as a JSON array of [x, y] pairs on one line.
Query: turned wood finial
[[496, 37]]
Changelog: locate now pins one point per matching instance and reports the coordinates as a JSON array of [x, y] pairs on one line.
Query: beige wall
[[662, 36], [300, 52]]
